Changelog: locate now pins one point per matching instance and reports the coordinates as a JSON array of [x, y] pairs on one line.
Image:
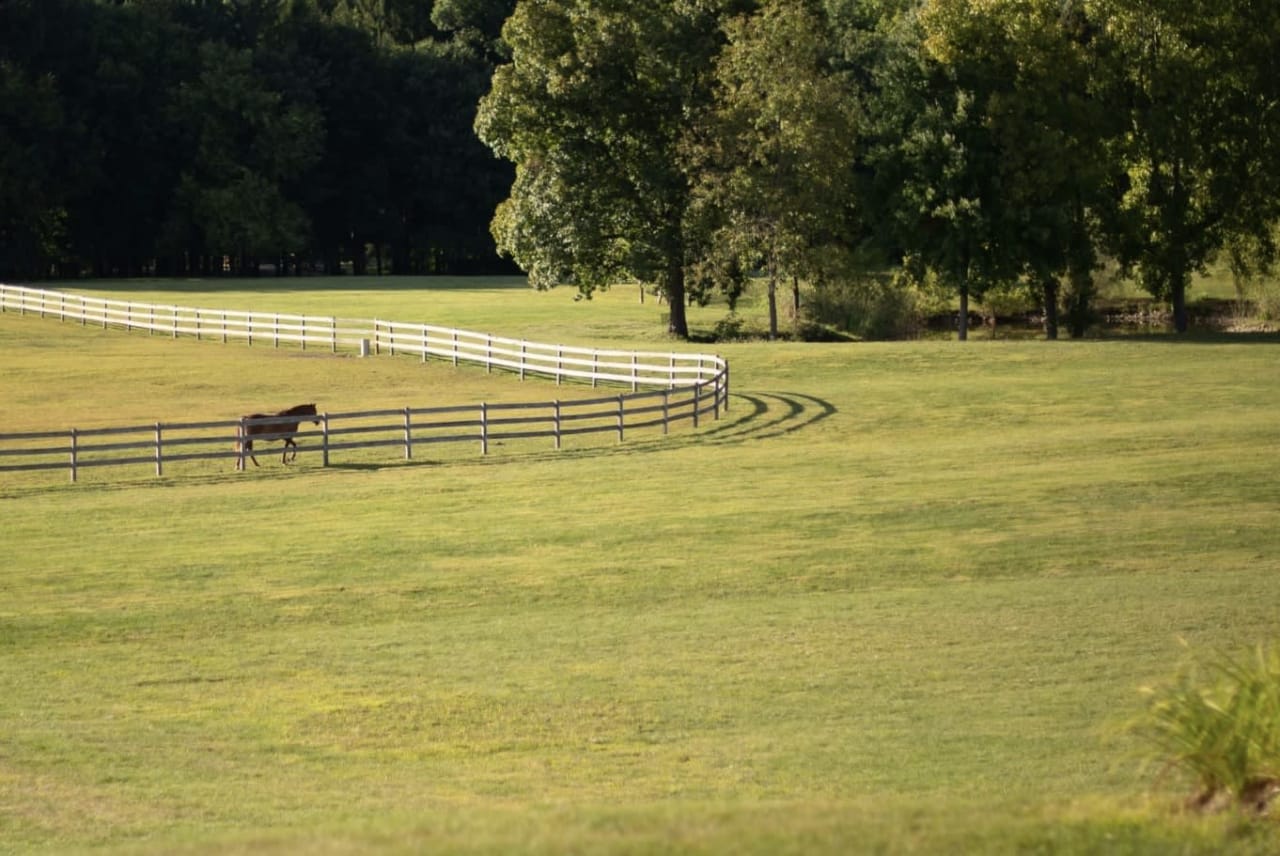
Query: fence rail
[[676, 388], [637, 369]]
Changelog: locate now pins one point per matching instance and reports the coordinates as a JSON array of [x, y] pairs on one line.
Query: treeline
[[966, 145], [956, 147], [176, 137]]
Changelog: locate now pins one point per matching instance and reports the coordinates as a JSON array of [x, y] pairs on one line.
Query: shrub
[[1220, 721], [1259, 297], [870, 307]]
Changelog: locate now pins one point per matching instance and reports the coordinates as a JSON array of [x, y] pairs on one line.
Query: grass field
[[900, 599]]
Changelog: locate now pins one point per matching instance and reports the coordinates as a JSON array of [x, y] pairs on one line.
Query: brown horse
[[275, 429]]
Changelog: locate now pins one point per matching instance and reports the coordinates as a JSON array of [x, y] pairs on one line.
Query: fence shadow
[[752, 417], [772, 414], [767, 415]]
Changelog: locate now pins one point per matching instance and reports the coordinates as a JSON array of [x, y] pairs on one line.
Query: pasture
[[899, 599]]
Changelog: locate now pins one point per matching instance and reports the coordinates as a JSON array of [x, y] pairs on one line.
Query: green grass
[[899, 599]]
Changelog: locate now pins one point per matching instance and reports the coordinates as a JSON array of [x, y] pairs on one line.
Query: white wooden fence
[[678, 387], [636, 369]]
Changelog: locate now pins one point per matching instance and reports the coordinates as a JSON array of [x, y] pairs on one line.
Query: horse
[[274, 431]]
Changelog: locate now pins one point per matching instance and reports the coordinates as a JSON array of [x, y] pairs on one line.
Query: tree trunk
[[359, 259], [773, 299], [962, 323], [1079, 300], [1179, 298], [674, 289], [1051, 308]]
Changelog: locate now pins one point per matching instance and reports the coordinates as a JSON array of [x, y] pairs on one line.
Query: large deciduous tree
[[935, 158], [1028, 63], [1201, 80], [594, 109], [773, 171], [247, 140]]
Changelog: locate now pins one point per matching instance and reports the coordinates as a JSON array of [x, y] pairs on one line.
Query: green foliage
[[1199, 83], [868, 307], [773, 167], [594, 110], [1220, 721], [163, 137]]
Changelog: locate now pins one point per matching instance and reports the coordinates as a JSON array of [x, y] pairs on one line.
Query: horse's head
[[309, 410]]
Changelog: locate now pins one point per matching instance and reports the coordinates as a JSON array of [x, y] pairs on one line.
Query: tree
[[934, 160], [477, 23], [32, 213], [1202, 145], [246, 141], [775, 167], [1031, 61], [594, 109]]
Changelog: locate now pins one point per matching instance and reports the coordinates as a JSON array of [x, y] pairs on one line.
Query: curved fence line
[[634, 368], [679, 387]]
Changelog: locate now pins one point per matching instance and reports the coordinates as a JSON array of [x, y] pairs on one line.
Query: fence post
[[559, 365], [333, 335], [484, 428], [635, 372], [556, 404], [522, 359], [595, 368], [621, 400], [666, 412], [275, 331], [159, 461], [697, 402], [426, 343], [224, 327], [324, 439], [304, 332], [408, 437], [74, 450], [197, 325]]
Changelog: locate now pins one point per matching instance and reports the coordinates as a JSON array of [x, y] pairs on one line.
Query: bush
[[1259, 297], [870, 307], [1220, 721]]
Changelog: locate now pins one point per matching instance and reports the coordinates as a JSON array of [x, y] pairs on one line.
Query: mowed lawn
[[900, 598]]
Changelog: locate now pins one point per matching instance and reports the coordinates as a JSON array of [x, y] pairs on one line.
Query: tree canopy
[[684, 144], [171, 137]]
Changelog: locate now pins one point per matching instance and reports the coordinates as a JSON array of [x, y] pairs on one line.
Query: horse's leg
[[284, 453], [244, 448]]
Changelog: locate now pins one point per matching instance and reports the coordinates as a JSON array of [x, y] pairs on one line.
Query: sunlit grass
[[897, 599]]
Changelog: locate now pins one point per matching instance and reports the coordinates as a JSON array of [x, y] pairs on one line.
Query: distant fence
[[677, 387], [632, 368]]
